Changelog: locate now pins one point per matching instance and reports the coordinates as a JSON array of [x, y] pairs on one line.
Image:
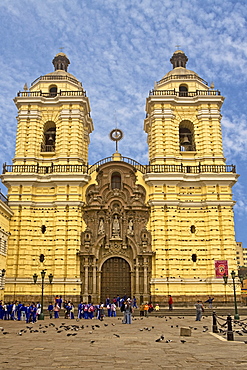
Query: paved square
[[91, 344]]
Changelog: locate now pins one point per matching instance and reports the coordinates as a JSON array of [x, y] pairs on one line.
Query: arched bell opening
[[53, 91], [49, 137], [183, 90], [186, 136]]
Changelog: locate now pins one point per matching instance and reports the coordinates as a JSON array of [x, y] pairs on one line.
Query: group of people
[[30, 312], [20, 311]]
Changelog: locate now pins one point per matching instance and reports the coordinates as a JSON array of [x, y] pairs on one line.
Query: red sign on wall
[[221, 268]]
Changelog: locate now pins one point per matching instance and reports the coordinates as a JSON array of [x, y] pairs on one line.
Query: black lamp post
[[225, 278], [35, 277]]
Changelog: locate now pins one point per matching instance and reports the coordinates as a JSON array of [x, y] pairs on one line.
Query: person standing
[[146, 308], [56, 311], [128, 313], [50, 309], [210, 302], [199, 310], [170, 302], [134, 302], [113, 310]]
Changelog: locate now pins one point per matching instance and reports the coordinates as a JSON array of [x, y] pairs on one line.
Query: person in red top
[[170, 303]]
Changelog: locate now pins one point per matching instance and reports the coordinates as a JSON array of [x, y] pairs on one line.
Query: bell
[[185, 141]]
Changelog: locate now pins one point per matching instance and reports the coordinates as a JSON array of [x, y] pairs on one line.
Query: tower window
[[53, 91], [186, 136], [183, 90], [116, 181], [49, 138]]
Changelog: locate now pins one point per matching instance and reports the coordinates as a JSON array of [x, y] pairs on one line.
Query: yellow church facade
[[118, 227]]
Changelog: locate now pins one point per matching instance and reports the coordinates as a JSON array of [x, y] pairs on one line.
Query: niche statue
[[115, 227]]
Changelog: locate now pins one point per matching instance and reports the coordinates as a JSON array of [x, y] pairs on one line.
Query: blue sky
[[118, 49]]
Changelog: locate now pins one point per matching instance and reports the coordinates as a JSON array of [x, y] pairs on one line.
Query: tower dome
[[61, 62], [179, 59]]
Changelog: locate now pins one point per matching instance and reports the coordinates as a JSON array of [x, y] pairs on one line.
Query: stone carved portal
[[116, 245]]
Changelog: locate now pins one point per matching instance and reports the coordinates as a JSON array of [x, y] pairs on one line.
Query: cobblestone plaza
[[109, 344]]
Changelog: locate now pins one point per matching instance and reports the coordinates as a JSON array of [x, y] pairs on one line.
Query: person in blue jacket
[[27, 312], [50, 309], [19, 309]]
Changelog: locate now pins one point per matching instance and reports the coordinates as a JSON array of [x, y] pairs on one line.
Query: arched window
[[183, 90], [53, 91], [186, 136], [116, 181], [49, 138]]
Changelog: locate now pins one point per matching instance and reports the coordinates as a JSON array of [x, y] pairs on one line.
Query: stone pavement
[[114, 345]]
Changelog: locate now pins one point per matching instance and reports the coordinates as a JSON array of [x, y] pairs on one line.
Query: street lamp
[[35, 277], [225, 278]]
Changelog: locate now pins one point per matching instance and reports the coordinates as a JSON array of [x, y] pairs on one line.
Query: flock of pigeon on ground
[[73, 329]]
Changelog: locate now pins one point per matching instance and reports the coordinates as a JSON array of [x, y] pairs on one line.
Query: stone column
[[132, 283], [145, 267], [85, 295], [137, 290], [94, 276], [99, 285]]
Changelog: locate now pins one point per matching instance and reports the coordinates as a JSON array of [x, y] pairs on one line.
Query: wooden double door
[[115, 278]]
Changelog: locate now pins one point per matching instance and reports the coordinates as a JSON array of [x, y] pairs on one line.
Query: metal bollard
[[229, 328], [215, 327]]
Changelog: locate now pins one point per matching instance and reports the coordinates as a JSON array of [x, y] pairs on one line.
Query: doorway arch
[[115, 278]]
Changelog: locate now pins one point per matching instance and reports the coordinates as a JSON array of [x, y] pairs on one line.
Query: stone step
[[220, 311]]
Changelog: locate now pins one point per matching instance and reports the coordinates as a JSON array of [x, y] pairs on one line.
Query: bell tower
[[45, 183], [192, 221], [54, 120], [183, 118]]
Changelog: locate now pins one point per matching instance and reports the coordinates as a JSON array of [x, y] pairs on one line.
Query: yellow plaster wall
[[5, 215]]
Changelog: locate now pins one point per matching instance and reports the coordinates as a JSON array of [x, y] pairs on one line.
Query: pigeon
[[5, 332], [116, 335], [105, 324], [92, 341], [160, 338], [239, 332], [183, 341]]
